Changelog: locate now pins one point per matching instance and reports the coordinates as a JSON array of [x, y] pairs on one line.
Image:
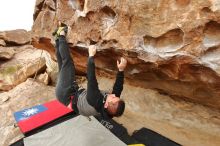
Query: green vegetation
[[10, 69]]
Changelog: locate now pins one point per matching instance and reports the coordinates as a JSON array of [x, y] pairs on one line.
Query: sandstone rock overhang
[[171, 46]]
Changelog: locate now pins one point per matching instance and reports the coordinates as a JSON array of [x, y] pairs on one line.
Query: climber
[[90, 101]]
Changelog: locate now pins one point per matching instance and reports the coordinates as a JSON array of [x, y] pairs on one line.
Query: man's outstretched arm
[[118, 86], [93, 92]]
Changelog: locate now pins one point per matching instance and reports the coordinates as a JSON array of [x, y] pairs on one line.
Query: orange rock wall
[[171, 45]]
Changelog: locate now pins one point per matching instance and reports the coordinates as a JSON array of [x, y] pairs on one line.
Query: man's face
[[112, 99], [112, 103]]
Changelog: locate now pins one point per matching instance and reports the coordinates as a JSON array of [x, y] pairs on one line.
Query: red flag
[[37, 116]]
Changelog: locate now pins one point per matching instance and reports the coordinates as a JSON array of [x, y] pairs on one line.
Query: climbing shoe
[[57, 32]]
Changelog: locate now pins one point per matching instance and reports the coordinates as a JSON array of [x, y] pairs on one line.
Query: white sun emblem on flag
[[30, 112]]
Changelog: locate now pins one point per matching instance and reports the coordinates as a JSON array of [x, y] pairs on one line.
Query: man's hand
[[92, 50], [122, 64]]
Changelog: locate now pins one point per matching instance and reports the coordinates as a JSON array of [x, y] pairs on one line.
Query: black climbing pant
[[66, 82]]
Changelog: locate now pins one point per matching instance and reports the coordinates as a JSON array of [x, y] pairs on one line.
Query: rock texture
[[10, 39], [25, 95], [44, 78], [20, 60], [15, 37], [183, 122], [177, 120], [171, 45], [6, 53], [2, 42], [27, 62]]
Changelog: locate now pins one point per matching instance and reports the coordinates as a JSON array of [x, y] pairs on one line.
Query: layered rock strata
[[19, 60], [27, 94], [171, 45]]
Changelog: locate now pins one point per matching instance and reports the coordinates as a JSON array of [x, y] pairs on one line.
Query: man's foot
[[60, 31]]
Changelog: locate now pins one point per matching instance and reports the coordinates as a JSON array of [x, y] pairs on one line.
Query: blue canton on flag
[[26, 113]]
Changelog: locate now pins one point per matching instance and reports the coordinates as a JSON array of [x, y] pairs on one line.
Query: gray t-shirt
[[84, 107]]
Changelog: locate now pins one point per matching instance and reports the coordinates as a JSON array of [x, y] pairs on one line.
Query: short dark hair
[[120, 108]]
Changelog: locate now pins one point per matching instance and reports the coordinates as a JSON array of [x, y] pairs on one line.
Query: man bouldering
[[90, 101]]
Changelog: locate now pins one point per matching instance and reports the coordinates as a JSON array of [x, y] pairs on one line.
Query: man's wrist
[[91, 54], [120, 73]]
